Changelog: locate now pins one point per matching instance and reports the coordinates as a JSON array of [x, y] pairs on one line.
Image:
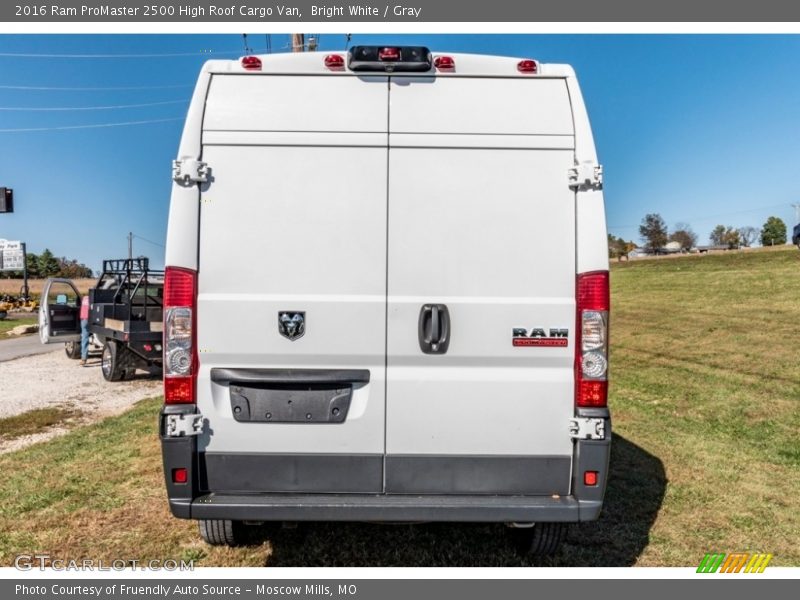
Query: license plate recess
[[287, 403]]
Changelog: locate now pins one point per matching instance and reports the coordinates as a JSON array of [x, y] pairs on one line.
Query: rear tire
[[543, 539], [111, 362], [72, 349], [220, 532]]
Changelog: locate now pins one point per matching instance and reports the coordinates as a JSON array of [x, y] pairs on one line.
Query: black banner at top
[[408, 11]]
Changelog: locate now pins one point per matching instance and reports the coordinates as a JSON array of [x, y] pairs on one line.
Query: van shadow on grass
[[635, 492]]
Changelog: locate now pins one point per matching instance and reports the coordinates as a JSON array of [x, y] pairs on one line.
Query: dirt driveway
[[53, 380]]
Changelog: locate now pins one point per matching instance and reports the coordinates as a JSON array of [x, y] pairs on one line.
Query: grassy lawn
[[7, 324], [706, 454], [706, 378], [36, 421]]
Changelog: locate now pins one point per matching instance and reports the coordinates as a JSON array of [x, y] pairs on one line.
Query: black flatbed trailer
[[126, 316]]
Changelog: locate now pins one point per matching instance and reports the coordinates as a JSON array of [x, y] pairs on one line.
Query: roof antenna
[[247, 49], [347, 44]]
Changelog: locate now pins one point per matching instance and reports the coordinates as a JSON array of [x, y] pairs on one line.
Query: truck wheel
[[220, 532], [111, 367], [543, 539], [72, 349]]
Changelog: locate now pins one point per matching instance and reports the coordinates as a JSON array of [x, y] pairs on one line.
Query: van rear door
[[292, 283], [481, 246]]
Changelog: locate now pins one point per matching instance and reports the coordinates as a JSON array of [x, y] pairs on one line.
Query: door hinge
[[587, 429], [586, 176], [183, 425], [188, 170]]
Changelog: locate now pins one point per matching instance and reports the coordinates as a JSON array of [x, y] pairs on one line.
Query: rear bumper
[[190, 500], [354, 507]]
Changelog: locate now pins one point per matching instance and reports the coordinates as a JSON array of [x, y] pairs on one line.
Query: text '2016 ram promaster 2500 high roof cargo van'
[[386, 295]]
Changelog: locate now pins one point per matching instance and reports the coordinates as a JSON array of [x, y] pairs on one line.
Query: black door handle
[[434, 328]]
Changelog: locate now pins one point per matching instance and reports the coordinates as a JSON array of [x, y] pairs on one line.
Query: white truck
[[386, 295]]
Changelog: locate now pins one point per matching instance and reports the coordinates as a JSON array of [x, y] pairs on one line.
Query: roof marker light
[[389, 54], [251, 63], [527, 66], [334, 61], [444, 63]]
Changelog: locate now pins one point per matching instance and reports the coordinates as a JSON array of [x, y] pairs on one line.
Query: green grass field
[[706, 454], [8, 324]]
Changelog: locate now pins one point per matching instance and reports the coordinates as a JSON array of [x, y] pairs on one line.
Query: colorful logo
[[734, 563]]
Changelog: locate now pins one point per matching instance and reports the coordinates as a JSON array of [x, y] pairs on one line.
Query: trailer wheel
[[111, 367], [72, 349], [221, 532], [543, 539]]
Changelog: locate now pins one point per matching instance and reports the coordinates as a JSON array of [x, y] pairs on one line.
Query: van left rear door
[[291, 317]]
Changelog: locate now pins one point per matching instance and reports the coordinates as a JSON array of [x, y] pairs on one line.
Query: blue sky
[[702, 129]]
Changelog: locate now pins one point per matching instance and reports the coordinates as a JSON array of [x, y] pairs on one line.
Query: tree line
[[655, 236], [47, 264]]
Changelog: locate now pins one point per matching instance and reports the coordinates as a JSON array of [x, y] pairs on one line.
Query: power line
[[70, 108], [165, 55], [138, 237], [93, 89], [96, 126]]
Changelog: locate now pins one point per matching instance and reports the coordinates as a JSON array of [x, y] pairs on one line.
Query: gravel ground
[[55, 380]]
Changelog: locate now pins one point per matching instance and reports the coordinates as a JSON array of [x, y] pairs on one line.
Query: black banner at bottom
[[388, 589]]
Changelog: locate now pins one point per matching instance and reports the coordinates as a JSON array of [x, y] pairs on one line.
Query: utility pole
[[796, 208], [130, 245], [298, 42], [25, 290]]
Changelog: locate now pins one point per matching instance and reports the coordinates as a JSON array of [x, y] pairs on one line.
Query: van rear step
[[352, 507]]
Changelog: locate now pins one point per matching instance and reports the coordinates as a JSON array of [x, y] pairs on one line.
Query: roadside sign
[[11, 256]]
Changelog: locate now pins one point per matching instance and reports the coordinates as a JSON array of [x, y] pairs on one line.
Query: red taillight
[[590, 478], [591, 340], [180, 336], [593, 292], [180, 475], [592, 394], [179, 390], [527, 66], [444, 63], [334, 61], [179, 287], [389, 54], [251, 63]]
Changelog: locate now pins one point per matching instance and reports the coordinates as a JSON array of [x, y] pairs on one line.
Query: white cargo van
[[386, 295]]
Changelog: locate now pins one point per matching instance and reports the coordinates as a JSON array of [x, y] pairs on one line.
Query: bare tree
[[748, 235], [684, 235]]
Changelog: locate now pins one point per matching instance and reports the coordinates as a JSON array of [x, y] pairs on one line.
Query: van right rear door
[[481, 230]]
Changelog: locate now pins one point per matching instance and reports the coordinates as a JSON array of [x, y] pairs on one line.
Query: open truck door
[[59, 312]]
